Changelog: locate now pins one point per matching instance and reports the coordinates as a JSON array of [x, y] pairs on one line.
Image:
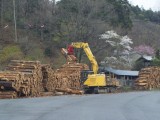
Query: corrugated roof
[[121, 72], [149, 58]]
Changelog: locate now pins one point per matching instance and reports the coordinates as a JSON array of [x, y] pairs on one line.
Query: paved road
[[124, 106]]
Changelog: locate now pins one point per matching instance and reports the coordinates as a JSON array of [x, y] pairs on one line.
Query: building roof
[[121, 72], [148, 58]]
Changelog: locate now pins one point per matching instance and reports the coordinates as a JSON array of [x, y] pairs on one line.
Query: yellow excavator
[[94, 82]]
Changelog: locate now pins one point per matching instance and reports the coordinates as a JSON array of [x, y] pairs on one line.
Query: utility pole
[[1, 13], [15, 22], [1, 26]]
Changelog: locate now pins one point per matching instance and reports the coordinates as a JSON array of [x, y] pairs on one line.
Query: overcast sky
[[146, 4]]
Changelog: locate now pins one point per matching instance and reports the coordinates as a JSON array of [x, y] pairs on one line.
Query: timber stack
[[8, 94], [71, 74], [24, 77], [66, 77], [149, 78], [32, 79]]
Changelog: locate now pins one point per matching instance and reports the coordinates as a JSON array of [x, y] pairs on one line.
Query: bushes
[[11, 52], [156, 62], [8, 53], [35, 54]]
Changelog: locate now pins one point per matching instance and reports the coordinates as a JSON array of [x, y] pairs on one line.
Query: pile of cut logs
[[24, 77], [67, 77], [8, 94], [31, 78], [149, 78]]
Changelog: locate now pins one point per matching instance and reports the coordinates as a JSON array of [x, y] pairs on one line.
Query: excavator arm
[[93, 82], [89, 54]]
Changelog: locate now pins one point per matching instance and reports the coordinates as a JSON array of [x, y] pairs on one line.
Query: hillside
[[44, 27], [145, 32]]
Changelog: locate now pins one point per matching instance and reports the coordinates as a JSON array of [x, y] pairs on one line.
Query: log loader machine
[[94, 82]]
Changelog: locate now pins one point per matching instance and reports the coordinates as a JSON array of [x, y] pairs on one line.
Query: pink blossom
[[144, 50]]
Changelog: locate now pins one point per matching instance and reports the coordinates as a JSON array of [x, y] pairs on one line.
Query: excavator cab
[[84, 75], [91, 82]]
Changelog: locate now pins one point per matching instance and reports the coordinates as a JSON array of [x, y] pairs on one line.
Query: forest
[[38, 29]]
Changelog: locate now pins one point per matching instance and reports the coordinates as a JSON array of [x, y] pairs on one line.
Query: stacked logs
[[8, 94], [14, 81], [67, 77], [24, 77], [149, 78], [71, 74], [31, 78], [49, 82]]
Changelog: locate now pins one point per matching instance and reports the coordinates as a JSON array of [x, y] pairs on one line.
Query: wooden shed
[[126, 77], [146, 60]]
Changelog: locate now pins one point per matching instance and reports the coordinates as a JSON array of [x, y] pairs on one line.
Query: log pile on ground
[[149, 78], [24, 77], [69, 91], [67, 77], [8, 94], [31, 78]]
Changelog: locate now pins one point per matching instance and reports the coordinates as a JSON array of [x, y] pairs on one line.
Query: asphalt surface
[[122, 106]]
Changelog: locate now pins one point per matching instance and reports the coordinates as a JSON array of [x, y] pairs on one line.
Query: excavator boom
[[89, 54]]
